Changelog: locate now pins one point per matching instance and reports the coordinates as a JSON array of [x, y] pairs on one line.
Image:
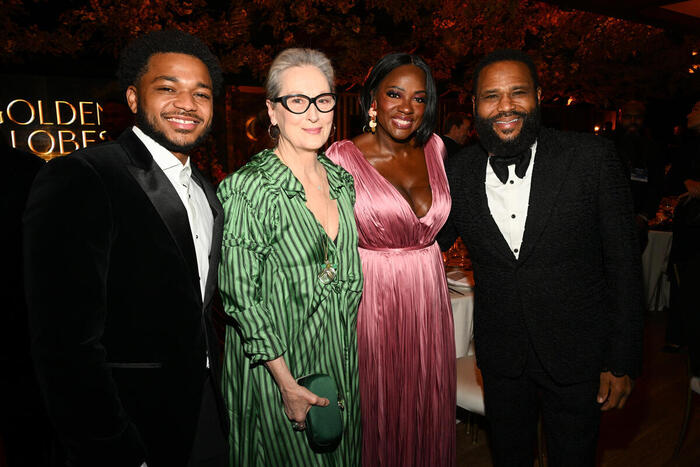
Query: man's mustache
[[192, 115], [502, 115]]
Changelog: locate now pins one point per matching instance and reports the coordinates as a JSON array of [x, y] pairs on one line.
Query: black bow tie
[[500, 165]]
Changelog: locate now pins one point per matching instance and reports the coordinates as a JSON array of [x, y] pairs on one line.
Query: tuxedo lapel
[[164, 198], [216, 236], [475, 197], [548, 174]]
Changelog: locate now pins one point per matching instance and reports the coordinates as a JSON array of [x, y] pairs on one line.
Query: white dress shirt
[[508, 202], [199, 212]]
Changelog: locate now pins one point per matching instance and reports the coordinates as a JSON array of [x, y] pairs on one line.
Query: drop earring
[[372, 112]]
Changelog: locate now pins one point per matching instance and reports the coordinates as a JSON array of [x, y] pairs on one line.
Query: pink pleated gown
[[405, 331]]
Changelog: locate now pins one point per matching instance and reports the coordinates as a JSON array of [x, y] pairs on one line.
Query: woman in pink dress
[[405, 332]]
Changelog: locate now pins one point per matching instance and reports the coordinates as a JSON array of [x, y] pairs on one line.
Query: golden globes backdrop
[[54, 116]]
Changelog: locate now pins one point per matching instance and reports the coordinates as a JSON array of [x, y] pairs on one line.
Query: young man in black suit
[[122, 246], [547, 219]]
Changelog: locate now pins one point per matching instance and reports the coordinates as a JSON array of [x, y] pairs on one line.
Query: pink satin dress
[[405, 333]]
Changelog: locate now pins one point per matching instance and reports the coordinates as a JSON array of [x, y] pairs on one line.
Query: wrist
[[287, 386], [286, 383], [281, 374]]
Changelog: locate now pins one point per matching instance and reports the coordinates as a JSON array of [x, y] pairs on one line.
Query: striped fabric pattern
[[272, 252]]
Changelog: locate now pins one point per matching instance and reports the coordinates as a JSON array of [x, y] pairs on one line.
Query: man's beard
[[633, 130], [149, 128], [498, 147]]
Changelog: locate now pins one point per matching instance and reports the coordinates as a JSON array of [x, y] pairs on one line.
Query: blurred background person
[[643, 159], [290, 276], [405, 330], [458, 127]]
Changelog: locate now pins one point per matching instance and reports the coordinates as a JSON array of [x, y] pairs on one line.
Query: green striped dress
[[273, 250]]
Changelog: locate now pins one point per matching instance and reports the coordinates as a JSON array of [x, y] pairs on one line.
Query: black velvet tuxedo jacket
[[575, 292], [120, 331]]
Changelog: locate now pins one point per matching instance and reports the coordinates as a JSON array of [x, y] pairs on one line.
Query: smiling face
[[505, 96], [506, 108], [400, 102], [173, 101], [694, 118], [308, 131]]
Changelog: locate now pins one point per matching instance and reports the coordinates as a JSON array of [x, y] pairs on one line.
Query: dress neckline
[[428, 167]]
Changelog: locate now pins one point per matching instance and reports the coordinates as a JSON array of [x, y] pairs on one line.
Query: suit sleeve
[[67, 231], [623, 270], [246, 243]]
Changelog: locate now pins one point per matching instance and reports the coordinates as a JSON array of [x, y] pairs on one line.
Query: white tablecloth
[[463, 313], [462, 298], [654, 266]]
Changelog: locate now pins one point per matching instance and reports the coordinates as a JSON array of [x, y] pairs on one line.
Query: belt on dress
[[390, 250]]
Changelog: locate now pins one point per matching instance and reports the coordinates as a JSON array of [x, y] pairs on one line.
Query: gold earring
[[372, 119]]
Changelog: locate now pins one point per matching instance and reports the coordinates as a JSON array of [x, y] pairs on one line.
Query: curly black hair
[[133, 60], [505, 55]]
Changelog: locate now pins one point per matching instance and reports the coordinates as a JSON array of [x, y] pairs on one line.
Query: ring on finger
[[296, 426]]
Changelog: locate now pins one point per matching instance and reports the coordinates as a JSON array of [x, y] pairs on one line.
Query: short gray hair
[[296, 57]]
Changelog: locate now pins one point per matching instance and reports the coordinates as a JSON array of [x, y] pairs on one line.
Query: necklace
[[328, 273]]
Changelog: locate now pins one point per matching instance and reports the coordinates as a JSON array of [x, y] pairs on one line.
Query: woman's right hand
[[297, 399]]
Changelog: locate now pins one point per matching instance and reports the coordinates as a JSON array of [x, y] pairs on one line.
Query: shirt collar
[[165, 159], [280, 175]]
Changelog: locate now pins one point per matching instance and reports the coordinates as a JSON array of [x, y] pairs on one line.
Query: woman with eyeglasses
[[290, 276], [404, 327]]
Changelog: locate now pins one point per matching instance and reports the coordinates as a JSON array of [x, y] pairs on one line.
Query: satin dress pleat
[[406, 346]]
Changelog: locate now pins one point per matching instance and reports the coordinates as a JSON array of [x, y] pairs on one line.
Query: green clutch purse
[[324, 425]]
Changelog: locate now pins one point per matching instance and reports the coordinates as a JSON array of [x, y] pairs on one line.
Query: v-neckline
[[396, 190], [318, 223], [330, 198], [304, 198]]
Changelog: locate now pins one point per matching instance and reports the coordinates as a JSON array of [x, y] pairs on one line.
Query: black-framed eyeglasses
[[299, 103]]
